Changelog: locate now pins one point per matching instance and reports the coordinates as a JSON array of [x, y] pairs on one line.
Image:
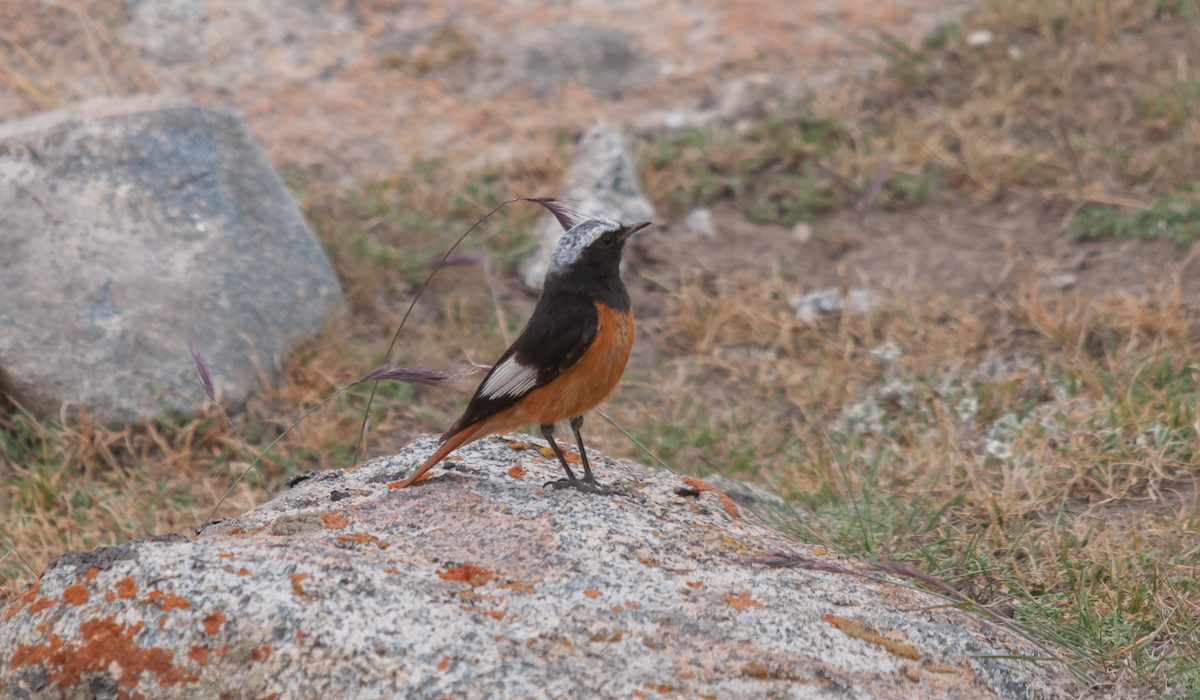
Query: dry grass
[[1036, 453], [1076, 104], [64, 39]]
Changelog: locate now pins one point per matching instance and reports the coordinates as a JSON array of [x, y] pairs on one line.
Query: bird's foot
[[585, 485]]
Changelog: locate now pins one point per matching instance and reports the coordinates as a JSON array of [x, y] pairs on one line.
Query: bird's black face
[[605, 252]]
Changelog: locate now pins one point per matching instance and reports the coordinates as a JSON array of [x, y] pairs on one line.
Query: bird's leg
[[548, 433], [576, 424], [589, 482]]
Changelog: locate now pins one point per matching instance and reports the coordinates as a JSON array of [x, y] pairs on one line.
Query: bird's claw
[[585, 485]]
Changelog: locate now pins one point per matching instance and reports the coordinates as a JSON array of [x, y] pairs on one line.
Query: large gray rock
[[600, 182], [481, 583], [128, 228]]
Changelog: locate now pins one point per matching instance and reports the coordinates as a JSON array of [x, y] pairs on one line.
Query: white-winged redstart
[[569, 357]]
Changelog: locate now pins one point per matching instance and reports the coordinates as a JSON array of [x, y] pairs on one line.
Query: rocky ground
[[480, 583], [365, 87]]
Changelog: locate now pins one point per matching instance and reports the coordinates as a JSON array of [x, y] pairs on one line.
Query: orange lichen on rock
[[857, 628], [444, 663], [167, 601], [468, 574], [198, 654], [104, 646], [41, 604], [244, 572], [743, 601], [695, 584], [297, 589], [730, 506], [517, 471], [21, 601], [518, 586], [592, 593], [212, 623], [572, 457], [363, 538], [260, 653], [334, 520], [91, 574], [226, 555], [75, 595], [127, 588]]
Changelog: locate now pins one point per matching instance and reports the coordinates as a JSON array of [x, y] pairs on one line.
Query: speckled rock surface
[[480, 583]]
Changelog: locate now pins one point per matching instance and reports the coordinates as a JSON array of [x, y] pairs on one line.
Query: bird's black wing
[[557, 335]]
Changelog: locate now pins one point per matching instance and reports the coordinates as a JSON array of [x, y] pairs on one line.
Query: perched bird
[[569, 357]]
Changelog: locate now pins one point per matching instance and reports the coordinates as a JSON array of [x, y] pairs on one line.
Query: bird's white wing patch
[[510, 378]]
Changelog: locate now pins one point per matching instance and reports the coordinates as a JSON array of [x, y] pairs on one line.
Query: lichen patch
[[467, 573], [741, 601], [127, 588], [334, 520], [857, 628], [167, 601], [213, 621], [104, 645], [731, 507], [75, 595]]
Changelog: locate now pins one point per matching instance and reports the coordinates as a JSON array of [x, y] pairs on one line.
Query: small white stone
[[1063, 281], [701, 223], [802, 232], [810, 306], [980, 37]]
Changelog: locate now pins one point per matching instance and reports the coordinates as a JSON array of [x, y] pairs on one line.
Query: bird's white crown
[[575, 240]]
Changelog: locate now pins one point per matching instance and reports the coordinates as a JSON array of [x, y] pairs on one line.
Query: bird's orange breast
[[586, 383]]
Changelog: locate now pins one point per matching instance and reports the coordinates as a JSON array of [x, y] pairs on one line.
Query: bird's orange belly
[[589, 381]]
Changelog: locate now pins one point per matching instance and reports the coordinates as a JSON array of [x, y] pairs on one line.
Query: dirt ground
[[363, 87], [358, 89], [959, 250]]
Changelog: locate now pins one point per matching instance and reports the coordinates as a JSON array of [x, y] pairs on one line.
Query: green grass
[[780, 171], [1175, 218]]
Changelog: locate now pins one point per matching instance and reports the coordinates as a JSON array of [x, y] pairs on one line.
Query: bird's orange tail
[[452, 443]]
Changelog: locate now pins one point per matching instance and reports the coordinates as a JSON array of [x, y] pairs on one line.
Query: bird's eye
[[608, 240]]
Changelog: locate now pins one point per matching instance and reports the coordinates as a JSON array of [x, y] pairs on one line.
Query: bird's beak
[[632, 229]]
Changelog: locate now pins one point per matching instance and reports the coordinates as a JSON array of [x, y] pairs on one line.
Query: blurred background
[[927, 269]]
